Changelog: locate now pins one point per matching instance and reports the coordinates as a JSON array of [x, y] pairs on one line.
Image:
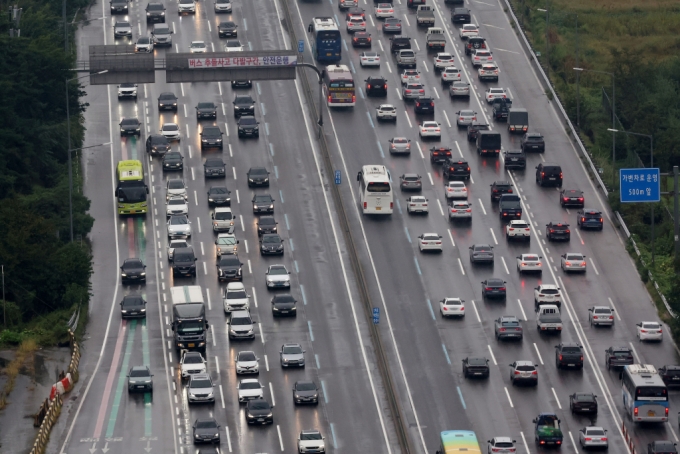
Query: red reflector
[[635, 411]]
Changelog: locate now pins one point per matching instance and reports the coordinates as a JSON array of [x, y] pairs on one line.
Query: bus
[[131, 190], [458, 441], [326, 39], [376, 190], [339, 86], [645, 396]]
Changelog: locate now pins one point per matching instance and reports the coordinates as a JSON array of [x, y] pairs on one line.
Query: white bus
[[376, 190], [645, 396]]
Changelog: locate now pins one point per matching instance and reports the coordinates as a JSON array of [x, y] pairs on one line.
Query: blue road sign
[[301, 45], [640, 185], [376, 315], [338, 177]]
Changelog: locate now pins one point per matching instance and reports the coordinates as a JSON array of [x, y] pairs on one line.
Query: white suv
[[223, 220], [236, 298]]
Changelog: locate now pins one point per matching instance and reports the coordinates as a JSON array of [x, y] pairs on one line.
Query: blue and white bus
[[645, 396], [326, 39]]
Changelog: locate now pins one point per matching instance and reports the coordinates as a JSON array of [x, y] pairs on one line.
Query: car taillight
[[355, 39], [580, 199], [369, 40], [511, 229], [354, 98], [568, 231], [542, 174], [566, 199], [552, 230], [643, 330], [437, 130], [600, 219], [329, 98], [461, 118], [391, 205], [391, 11], [417, 104], [432, 104], [560, 175], [385, 86], [445, 308], [408, 91], [468, 169], [368, 86], [488, 289], [581, 358], [589, 439], [517, 372], [365, 205], [583, 219], [453, 210], [659, 330], [611, 317], [509, 190], [501, 329], [363, 23], [666, 411], [605, 438], [502, 289], [534, 372], [635, 411]]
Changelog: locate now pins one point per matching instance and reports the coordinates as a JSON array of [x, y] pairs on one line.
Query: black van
[[184, 262], [489, 142], [549, 174], [518, 120]]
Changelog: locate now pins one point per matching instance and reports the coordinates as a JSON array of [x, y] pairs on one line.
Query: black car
[[439, 155], [399, 42], [241, 84], [184, 262], [662, 447], [583, 403], [211, 137], [284, 305], [206, 110], [549, 174], [271, 244], [355, 11], [493, 288], [244, 105], [474, 128], [305, 392], [133, 270], [533, 141], [476, 367], [670, 375], [618, 357], [263, 204], [219, 195], [173, 160], [258, 411], [500, 108], [206, 431], [515, 159], [155, 12], [119, 6], [258, 176], [133, 306], [157, 144], [227, 29], [267, 224], [572, 197], [376, 86], [461, 16], [361, 39], [498, 188], [456, 168], [557, 231], [424, 105], [214, 168], [248, 126], [568, 354], [167, 101], [228, 268], [130, 127], [590, 219]]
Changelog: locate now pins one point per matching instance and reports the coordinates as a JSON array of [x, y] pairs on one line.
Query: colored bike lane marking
[[147, 395], [122, 377], [109, 380]]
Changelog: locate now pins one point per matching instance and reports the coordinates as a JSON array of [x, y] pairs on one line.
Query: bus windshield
[[657, 393], [378, 187], [131, 194]]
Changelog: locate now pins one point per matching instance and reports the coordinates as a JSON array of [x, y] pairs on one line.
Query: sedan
[[130, 126], [176, 244], [452, 307], [493, 288], [122, 29], [593, 437], [229, 268], [413, 90], [518, 230], [481, 253], [442, 60], [249, 389], [429, 129], [649, 331], [135, 306], [267, 224], [305, 392], [179, 226], [206, 430], [495, 93], [417, 204], [187, 6], [247, 126], [192, 363], [167, 101], [459, 88], [384, 10], [214, 168], [175, 187], [170, 131], [583, 403], [176, 205], [144, 44], [387, 112], [223, 6], [452, 74], [501, 445], [263, 204], [227, 29], [391, 25], [247, 363], [456, 190], [226, 243], [271, 244], [468, 31], [400, 145], [508, 327], [601, 315], [529, 263], [410, 182], [460, 210], [356, 24], [198, 47], [277, 276], [573, 261], [219, 195], [259, 411], [284, 306], [571, 197], [465, 117], [206, 110], [258, 176], [233, 45], [410, 76], [292, 355], [369, 58], [670, 375], [430, 242], [361, 39]]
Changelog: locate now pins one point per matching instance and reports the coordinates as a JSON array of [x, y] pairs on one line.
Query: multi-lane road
[[425, 352]]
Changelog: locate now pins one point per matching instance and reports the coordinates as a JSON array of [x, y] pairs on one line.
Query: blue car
[[590, 219]]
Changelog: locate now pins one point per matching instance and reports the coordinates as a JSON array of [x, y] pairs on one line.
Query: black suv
[[130, 127], [167, 101], [229, 268], [361, 39], [453, 169], [219, 195], [475, 42], [119, 6], [227, 29], [557, 231], [515, 159], [500, 108], [376, 86], [258, 176], [476, 368], [241, 84], [157, 144], [439, 155], [461, 16], [498, 188], [248, 126], [211, 137], [572, 197], [135, 306], [548, 173], [399, 42], [474, 128], [155, 12], [206, 110], [243, 105], [184, 262], [214, 168], [424, 105], [173, 160], [533, 141], [583, 403]]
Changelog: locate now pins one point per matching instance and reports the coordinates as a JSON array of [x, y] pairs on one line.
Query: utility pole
[[15, 17], [63, 14], [578, 74], [2, 267]]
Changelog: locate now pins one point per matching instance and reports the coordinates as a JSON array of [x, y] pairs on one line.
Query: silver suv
[[200, 389], [524, 372], [162, 35], [241, 325]]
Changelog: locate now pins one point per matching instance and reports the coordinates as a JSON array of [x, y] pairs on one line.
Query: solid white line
[[509, 400], [556, 398], [493, 235], [226, 429], [526, 446], [573, 442], [439, 203], [493, 357], [616, 312], [524, 315], [505, 265], [462, 270], [474, 306], [459, 152], [447, 119], [539, 354], [482, 206], [579, 235], [593, 265]]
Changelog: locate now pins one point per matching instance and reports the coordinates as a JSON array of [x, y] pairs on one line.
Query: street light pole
[[547, 38]]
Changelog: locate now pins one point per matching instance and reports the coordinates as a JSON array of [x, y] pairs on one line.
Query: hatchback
[[523, 372], [410, 182]]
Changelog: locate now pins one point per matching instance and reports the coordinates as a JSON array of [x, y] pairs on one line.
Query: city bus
[[339, 86], [326, 39], [458, 441], [375, 188], [645, 396], [131, 191]]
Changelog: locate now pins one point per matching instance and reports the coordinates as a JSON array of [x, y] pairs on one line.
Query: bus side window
[[359, 176]]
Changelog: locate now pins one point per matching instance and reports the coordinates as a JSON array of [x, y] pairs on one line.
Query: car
[[271, 244], [500, 108], [460, 210], [140, 378], [176, 244], [249, 389], [583, 403], [514, 159], [465, 117], [277, 276], [305, 392], [593, 437], [206, 430], [424, 105], [439, 155], [200, 388], [413, 90], [144, 44], [267, 224], [122, 29], [223, 6], [451, 74], [176, 205], [662, 447], [481, 253], [391, 25], [155, 12], [568, 354], [127, 90], [442, 60], [524, 372], [480, 57], [237, 301], [356, 24], [410, 182], [452, 307], [468, 31], [533, 141], [500, 187], [459, 88], [175, 187], [167, 101], [473, 43], [501, 445], [355, 11], [133, 270], [179, 226], [214, 168], [399, 145], [417, 204], [119, 7], [206, 110], [263, 203], [518, 229], [170, 131], [248, 126], [361, 39], [211, 137], [284, 305], [454, 169], [292, 355], [233, 45], [557, 231], [475, 367], [222, 220], [157, 144], [547, 294], [247, 363], [219, 195], [429, 129], [375, 85], [474, 129], [601, 315], [243, 105], [130, 127], [493, 93], [227, 29], [184, 262], [670, 375], [430, 242], [384, 10], [258, 177], [229, 268], [488, 71], [529, 263], [226, 243], [410, 76], [649, 331], [346, 4], [132, 306], [192, 363], [198, 47], [571, 197], [618, 356], [461, 16], [456, 190], [259, 411], [508, 327], [589, 218], [549, 174], [162, 35], [311, 441]]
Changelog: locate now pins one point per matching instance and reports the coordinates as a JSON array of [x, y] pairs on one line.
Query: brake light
[[417, 104], [560, 175], [509, 190], [588, 439], [501, 289], [666, 411], [461, 118], [437, 130], [542, 174], [566, 199], [488, 289], [445, 308], [568, 231], [354, 98], [391, 205], [635, 411], [468, 169], [511, 229], [605, 438], [453, 210], [369, 86], [583, 219], [517, 372], [581, 358], [611, 317], [600, 219], [329, 98], [469, 210], [355, 39], [408, 91], [385, 86], [369, 39], [580, 199], [534, 372], [643, 330], [501, 329], [660, 330], [432, 104]]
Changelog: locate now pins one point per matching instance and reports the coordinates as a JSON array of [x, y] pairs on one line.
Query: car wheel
[[557, 364]]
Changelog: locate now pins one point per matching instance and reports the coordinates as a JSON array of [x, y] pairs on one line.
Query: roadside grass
[[25, 350]]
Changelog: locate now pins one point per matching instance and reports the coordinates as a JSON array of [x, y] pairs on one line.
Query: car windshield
[[247, 121], [267, 221], [305, 386], [418, 199], [526, 368], [133, 301], [155, 7], [206, 424], [193, 359], [218, 191], [258, 405], [228, 240], [262, 199], [476, 361], [163, 30], [132, 264], [271, 239], [143, 40], [236, 294], [129, 122], [510, 323], [277, 270], [224, 216], [173, 156], [310, 436], [258, 172], [200, 383], [241, 321], [247, 356], [292, 350], [170, 127], [175, 184], [229, 260], [190, 327], [139, 373], [206, 105], [167, 97], [227, 25], [176, 202], [584, 398], [372, 54], [596, 432], [214, 163], [179, 220], [571, 350], [284, 299], [122, 24], [250, 385]]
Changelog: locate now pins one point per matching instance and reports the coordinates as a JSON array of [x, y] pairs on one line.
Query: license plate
[[513, 159], [140, 386], [651, 413], [378, 208], [571, 365], [260, 419], [192, 345], [512, 335], [551, 328], [478, 373], [284, 312], [551, 178]]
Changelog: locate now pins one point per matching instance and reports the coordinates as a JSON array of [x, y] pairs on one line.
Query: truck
[[189, 325], [435, 39], [548, 318], [518, 120], [425, 16], [547, 431], [509, 207]]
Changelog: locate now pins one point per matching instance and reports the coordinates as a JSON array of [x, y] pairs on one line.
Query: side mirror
[[238, 241]]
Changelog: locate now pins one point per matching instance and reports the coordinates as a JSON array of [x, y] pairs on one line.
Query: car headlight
[[269, 415], [219, 140], [231, 330], [254, 207], [148, 14], [285, 360], [266, 180], [231, 223], [124, 311], [251, 180], [163, 13], [197, 436], [274, 308], [123, 274], [143, 310], [271, 206], [142, 274], [210, 199]]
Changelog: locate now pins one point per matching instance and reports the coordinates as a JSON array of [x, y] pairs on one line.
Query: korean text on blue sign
[[376, 315], [301, 45], [640, 185], [231, 62], [338, 178]]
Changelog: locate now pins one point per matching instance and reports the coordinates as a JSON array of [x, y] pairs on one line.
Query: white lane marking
[[431, 181], [526, 446], [507, 271], [447, 119], [579, 235], [271, 391], [509, 400], [474, 306], [459, 152], [278, 430], [539, 354], [451, 236], [493, 357], [593, 265], [493, 234], [221, 395], [483, 210], [462, 270], [441, 210], [556, 398]]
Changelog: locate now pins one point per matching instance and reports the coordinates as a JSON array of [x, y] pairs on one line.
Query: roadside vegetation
[[46, 277]]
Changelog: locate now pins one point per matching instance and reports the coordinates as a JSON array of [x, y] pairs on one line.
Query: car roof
[[508, 318], [549, 286], [620, 348]]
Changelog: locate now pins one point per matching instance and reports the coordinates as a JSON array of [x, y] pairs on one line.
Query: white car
[[456, 190], [176, 205], [235, 298], [127, 90], [356, 24], [649, 331], [233, 45], [175, 187], [601, 315], [249, 389], [518, 230], [144, 44], [529, 263], [429, 129], [495, 93], [452, 307], [247, 363], [442, 60], [501, 445], [222, 6], [593, 437], [384, 10], [547, 293], [386, 112], [226, 243], [481, 56], [192, 363], [223, 220], [430, 242], [179, 226], [451, 74], [460, 210], [277, 276], [175, 244], [468, 31], [465, 117], [573, 261], [198, 47], [410, 75], [369, 58], [488, 71], [187, 6], [311, 441], [171, 131], [417, 204]]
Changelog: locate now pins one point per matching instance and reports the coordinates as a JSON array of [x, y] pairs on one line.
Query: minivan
[[162, 35], [549, 174]]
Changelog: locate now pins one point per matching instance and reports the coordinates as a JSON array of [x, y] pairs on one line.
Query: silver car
[[501, 445], [200, 389], [413, 90], [223, 220], [247, 363], [187, 6], [593, 437], [573, 261], [292, 355], [176, 205], [481, 253], [460, 210], [249, 389], [400, 145], [465, 117], [356, 24], [456, 190], [175, 244], [277, 276], [452, 74], [222, 6], [175, 188], [601, 315], [226, 243], [144, 44], [122, 29], [179, 226], [459, 88]]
